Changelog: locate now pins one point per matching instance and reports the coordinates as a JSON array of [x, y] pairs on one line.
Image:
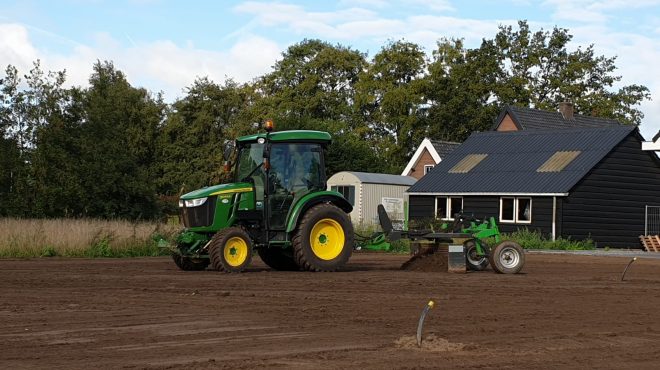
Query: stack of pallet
[[651, 243]]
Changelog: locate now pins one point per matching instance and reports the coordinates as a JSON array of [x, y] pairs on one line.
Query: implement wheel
[[190, 264], [472, 260], [278, 259], [231, 250], [507, 257], [324, 239]]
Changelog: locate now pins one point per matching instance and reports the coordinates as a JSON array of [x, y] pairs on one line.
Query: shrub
[[529, 239]]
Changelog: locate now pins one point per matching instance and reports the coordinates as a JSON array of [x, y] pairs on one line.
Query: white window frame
[[516, 204], [428, 168], [448, 216]]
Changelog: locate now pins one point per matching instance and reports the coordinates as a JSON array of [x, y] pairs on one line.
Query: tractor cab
[[283, 171]]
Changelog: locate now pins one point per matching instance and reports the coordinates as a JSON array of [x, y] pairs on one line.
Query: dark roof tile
[[444, 147]]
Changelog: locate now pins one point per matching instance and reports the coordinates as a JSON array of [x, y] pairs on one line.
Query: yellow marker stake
[[420, 325], [626, 269]]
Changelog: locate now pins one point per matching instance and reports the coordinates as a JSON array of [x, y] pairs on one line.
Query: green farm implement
[[473, 234]]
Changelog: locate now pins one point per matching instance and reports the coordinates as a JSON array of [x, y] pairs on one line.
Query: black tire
[[230, 250], [508, 257], [190, 264], [331, 224], [472, 261], [278, 259]]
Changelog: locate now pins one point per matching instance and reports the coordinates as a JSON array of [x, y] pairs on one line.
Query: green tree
[[540, 71], [314, 80], [27, 106], [192, 137], [391, 100], [118, 145], [467, 87], [459, 90], [314, 87]]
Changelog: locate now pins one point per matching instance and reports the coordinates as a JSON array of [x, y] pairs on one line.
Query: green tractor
[[277, 205]]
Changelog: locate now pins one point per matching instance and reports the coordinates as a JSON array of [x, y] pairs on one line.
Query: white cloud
[[435, 5], [161, 65], [593, 10], [15, 47], [365, 3]]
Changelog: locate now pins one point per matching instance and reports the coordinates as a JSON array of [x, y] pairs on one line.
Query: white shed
[[365, 191]]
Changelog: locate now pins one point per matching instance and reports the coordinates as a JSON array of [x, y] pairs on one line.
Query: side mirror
[[229, 149]]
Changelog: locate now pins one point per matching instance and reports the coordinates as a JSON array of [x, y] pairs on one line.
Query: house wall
[[507, 124], [418, 169], [423, 207], [608, 204]]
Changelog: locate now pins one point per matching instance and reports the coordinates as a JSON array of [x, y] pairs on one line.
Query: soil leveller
[[467, 237]]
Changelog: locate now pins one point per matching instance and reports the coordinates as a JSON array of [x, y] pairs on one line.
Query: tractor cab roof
[[306, 136]]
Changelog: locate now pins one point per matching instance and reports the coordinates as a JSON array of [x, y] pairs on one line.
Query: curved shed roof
[[377, 178]]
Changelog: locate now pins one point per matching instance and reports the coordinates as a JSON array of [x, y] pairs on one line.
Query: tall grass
[[81, 238]]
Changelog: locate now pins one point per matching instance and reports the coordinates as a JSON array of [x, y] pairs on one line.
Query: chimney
[[566, 110]]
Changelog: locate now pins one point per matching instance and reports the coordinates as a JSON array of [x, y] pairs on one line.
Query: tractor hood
[[235, 187]]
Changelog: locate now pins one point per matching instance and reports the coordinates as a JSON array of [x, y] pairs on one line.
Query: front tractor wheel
[[324, 239], [231, 250]]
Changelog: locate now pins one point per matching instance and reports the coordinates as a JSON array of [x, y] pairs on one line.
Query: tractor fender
[[310, 200]]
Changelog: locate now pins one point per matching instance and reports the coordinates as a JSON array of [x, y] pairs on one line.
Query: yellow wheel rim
[[236, 251], [327, 239]]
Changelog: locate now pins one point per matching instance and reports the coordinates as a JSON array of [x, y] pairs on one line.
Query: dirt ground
[[564, 311]]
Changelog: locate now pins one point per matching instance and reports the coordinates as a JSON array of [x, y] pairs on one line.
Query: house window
[[447, 207], [427, 168], [347, 191], [516, 210]]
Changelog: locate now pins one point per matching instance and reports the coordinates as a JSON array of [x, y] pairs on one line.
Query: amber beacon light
[[269, 125]]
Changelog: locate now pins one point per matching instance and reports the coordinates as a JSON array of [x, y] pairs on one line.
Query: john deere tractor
[[277, 205]]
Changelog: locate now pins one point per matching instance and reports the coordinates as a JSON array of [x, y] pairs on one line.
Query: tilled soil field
[[564, 311]]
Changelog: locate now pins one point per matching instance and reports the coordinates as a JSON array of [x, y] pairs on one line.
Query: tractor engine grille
[[199, 216]]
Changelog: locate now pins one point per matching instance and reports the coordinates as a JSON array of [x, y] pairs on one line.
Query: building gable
[[506, 124]]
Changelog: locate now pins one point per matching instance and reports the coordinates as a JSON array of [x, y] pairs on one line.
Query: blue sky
[[163, 45]]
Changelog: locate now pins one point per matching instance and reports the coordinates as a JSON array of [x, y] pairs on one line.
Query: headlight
[[195, 202], [180, 203]]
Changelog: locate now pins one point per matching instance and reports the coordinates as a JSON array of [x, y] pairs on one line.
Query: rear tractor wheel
[[324, 239], [507, 258], [190, 264], [231, 250]]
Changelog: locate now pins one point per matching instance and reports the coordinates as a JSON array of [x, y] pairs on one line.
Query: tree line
[[114, 150]]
